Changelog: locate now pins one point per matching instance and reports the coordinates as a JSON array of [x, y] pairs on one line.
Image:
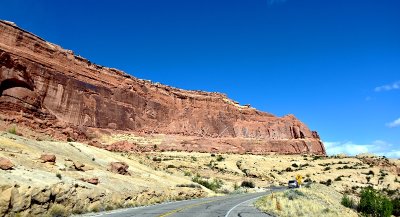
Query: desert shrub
[[339, 178], [316, 157], [327, 168], [289, 169], [13, 130], [212, 155], [236, 186], [187, 173], [375, 204], [69, 139], [58, 210], [220, 158], [248, 184], [327, 183], [212, 185], [371, 173], [157, 159], [193, 158], [348, 202], [170, 166], [294, 194], [396, 206], [295, 165], [58, 175], [188, 186]]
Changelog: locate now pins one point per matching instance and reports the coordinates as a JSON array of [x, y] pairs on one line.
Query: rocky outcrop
[[48, 87], [39, 201]]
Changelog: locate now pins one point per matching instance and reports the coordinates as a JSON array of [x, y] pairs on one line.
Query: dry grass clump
[[317, 200], [58, 210]]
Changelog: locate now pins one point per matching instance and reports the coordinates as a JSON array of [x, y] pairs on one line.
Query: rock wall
[[49, 84]]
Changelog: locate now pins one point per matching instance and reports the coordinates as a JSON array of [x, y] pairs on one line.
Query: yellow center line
[[186, 207]]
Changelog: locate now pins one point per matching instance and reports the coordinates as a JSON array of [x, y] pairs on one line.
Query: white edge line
[[229, 212]]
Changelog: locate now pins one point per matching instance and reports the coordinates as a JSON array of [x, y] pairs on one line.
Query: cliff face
[[47, 84]]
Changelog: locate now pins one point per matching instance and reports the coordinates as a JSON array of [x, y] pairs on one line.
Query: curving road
[[226, 206]]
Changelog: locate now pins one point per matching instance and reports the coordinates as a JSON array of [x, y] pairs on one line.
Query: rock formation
[[6, 164], [47, 87]]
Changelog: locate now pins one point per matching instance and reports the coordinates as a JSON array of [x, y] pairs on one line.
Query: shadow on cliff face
[[16, 85]]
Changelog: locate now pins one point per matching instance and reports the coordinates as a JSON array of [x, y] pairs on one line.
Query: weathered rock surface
[[119, 167], [5, 164], [48, 158], [48, 87], [93, 181]]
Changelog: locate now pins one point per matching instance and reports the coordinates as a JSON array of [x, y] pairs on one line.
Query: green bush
[[348, 202], [248, 184], [212, 185], [375, 204], [396, 206]]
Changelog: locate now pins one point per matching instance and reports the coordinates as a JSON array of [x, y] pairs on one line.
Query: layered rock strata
[[50, 87]]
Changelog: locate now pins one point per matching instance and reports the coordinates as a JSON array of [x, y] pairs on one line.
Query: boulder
[[5, 199], [119, 168], [6, 164], [48, 158]]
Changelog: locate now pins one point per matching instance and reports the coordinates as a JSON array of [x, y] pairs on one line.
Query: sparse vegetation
[[213, 185], [348, 202], [220, 158], [13, 130], [58, 210], [315, 201], [188, 186], [289, 169], [327, 182]]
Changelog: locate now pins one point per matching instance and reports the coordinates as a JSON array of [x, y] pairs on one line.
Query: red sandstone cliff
[[51, 87]]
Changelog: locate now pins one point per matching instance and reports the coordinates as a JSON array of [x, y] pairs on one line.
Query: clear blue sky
[[323, 61]]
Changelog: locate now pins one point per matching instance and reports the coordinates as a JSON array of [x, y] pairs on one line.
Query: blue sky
[[333, 64]]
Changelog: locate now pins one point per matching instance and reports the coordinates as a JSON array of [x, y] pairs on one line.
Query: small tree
[[374, 204]]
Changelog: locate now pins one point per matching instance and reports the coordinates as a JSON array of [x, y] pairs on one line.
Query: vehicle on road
[[293, 184]]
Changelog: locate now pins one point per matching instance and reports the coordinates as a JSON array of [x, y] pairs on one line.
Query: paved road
[[227, 206]]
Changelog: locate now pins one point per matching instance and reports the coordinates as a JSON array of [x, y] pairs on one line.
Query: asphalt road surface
[[227, 206]]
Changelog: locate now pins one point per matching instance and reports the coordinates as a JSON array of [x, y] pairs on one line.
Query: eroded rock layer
[[54, 88]]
